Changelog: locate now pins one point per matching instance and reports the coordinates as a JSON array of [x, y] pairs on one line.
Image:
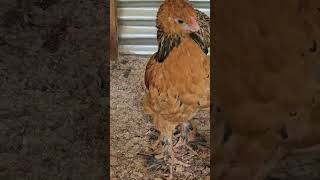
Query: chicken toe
[[183, 142]]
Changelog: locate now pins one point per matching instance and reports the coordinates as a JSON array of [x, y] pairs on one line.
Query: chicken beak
[[194, 26]]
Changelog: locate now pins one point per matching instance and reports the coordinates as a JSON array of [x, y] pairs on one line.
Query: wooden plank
[[113, 31]]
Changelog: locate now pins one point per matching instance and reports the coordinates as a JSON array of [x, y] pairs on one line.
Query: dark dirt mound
[[52, 101]]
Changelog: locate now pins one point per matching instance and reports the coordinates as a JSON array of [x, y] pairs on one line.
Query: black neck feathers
[[165, 44], [195, 37]]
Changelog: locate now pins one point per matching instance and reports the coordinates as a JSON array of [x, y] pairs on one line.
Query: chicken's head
[[177, 17]]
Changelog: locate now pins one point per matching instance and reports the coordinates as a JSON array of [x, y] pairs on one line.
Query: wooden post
[[113, 31]]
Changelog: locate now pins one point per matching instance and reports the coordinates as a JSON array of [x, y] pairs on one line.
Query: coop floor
[[130, 128]]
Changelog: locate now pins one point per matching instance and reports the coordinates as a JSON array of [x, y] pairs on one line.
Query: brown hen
[[202, 38], [178, 74]]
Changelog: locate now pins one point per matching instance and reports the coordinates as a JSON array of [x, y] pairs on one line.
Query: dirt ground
[[131, 130], [52, 112]]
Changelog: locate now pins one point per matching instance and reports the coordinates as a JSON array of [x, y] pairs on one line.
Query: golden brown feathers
[[177, 76], [180, 84]]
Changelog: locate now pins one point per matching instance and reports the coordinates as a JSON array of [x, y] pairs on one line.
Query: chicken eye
[[180, 21]]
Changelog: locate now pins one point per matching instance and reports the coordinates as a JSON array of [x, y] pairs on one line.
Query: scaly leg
[[158, 141], [156, 144], [183, 140], [174, 160]]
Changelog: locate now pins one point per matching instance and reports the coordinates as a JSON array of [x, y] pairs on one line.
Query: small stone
[[159, 156], [179, 169]]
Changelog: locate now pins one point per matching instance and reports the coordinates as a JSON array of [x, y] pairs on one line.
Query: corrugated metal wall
[[136, 20]]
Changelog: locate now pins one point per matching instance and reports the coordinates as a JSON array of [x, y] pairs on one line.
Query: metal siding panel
[[137, 32]]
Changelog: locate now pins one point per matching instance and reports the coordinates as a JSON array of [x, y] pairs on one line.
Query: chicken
[[177, 76], [201, 37]]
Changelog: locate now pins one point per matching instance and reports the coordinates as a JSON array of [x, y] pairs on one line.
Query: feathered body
[[178, 87]]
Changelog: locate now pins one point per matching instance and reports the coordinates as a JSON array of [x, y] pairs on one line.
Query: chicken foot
[[173, 161], [183, 140]]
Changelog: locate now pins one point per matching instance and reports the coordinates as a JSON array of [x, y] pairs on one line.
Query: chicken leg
[[173, 159], [158, 141], [186, 127]]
